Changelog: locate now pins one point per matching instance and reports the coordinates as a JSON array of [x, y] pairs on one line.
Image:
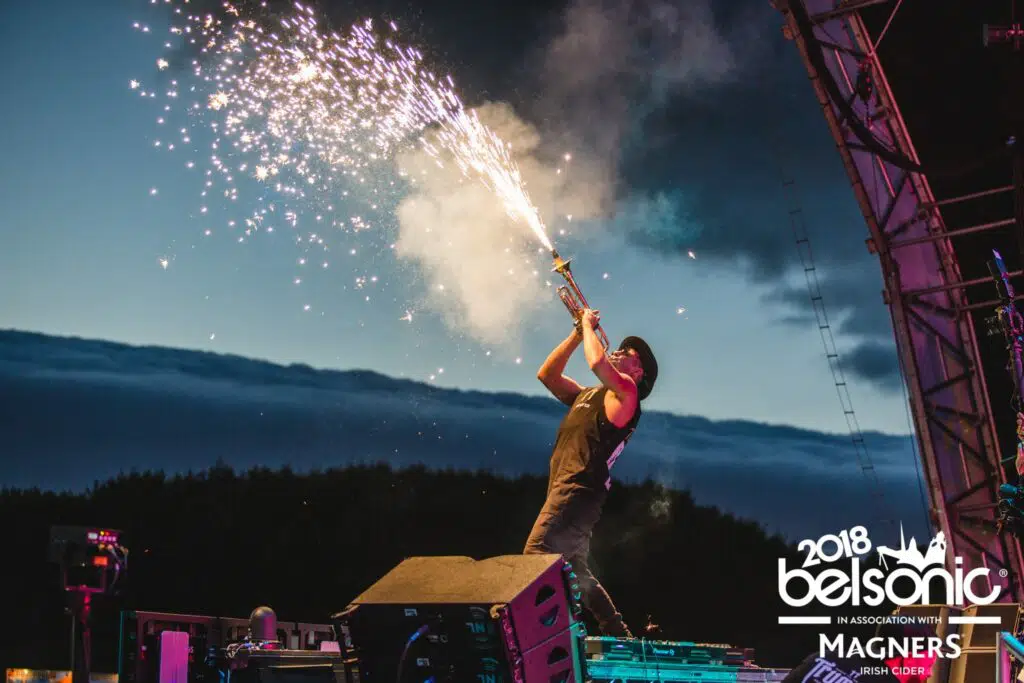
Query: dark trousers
[[553, 534]]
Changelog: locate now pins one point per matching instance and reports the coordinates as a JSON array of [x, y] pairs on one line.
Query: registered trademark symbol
[[1003, 573]]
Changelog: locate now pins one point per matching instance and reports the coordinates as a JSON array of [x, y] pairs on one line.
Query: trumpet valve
[[570, 301]]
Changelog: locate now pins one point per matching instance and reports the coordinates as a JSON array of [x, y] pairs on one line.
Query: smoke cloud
[[617, 62], [486, 272], [611, 66]]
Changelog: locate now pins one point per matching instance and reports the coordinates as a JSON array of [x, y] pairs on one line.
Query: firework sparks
[[327, 107], [302, 118]]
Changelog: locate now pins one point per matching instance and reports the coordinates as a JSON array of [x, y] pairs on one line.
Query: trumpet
[[571, 295]]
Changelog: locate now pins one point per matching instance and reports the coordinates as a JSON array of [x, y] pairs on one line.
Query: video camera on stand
[[91, 561]]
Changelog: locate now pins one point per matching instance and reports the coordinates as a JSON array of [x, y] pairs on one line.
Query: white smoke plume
[[613, 64], [486, 272]]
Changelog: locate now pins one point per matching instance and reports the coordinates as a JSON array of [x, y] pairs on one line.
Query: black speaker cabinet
[[499, 620]]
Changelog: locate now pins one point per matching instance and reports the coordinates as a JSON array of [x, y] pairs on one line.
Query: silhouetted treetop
[[220, 542]]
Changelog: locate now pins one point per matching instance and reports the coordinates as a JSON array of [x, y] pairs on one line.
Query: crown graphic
[[909, 554]]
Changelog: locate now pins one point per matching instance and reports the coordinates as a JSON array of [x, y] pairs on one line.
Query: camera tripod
[[80, 608]]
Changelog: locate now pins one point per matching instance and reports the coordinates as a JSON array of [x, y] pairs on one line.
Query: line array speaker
[[513, 618]]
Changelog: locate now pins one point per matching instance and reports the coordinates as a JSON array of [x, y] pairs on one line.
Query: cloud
[[614, 63], [683, 117], [700, 112], [876, 362], [857, 314], [87, 410], [610, 65]]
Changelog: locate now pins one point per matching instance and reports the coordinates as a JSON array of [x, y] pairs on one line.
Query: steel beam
[[931, 316]]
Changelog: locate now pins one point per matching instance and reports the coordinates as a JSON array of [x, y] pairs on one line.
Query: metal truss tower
[[925, 292]]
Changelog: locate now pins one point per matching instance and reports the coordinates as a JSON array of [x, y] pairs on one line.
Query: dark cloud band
[[80, 411]]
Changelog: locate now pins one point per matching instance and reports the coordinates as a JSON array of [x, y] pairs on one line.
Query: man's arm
[[565, 389], [619, 384]]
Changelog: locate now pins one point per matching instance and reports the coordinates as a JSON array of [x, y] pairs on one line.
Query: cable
[[816, 57], [405, 652], [861, 451], [913, 444], [892, 15]]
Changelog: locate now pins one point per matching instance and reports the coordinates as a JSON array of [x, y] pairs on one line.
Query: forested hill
[[89, 409], [220, 543]]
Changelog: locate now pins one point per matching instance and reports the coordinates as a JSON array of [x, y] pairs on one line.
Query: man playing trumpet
[[600, 421]]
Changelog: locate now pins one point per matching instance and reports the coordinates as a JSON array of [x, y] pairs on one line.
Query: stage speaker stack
[[508, 619], [977, 662]]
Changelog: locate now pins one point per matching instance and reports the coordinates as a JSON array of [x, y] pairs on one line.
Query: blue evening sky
[[82, 240]]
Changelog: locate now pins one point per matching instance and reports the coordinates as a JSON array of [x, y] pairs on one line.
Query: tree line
[[221, 542]]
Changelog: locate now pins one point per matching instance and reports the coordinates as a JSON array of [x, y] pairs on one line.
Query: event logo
[[854, 586]]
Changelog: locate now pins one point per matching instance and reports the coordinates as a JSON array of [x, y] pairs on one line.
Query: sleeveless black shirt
[[586, 447]]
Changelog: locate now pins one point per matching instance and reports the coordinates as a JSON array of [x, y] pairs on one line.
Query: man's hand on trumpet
[[590, 318]]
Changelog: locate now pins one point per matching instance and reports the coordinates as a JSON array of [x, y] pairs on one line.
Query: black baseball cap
[[647, 361]]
